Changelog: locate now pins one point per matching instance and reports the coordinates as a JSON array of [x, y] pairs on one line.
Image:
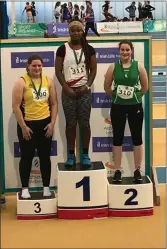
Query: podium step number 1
[[82, 193]]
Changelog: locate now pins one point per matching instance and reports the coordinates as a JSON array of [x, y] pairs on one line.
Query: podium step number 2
[[129, 199], [79, 194]]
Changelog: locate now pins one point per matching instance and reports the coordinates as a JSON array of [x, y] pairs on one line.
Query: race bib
[[42, 96], [77, 71], [125, 92]]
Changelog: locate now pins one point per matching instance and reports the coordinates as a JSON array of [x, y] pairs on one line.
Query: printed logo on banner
[[17, 152], [20, 59], [104, 144], [108, 55], [101, 100]]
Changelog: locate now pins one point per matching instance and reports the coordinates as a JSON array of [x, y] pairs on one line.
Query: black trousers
[[91, 25], [134, 114], [42, 144]]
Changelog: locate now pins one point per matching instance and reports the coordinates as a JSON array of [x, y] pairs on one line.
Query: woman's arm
[[143, 78], [17, 97], [108, 80], [53, 101]]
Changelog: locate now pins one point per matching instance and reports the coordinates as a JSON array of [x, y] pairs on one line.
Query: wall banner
[[15, 58]]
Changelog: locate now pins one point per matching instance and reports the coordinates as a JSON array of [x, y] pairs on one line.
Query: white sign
[[130, 27], [107, 27], [119, 27]]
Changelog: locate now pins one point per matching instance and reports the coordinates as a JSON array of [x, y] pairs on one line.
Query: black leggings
[[134, 114], [91, 25], [42, 144]]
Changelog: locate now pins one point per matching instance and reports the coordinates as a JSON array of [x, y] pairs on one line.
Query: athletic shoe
[[71, 160], [86, 160], [137, 175], [117, 176]]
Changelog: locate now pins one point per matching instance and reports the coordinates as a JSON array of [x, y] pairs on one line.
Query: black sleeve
[[91, 50], [61, 51]]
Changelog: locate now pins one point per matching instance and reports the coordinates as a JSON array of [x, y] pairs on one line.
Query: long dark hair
[[85, 47]]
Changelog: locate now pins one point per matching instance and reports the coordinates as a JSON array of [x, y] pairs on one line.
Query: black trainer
[[117, 176], [137, 175]]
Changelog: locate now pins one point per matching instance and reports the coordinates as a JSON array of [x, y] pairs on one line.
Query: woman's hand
[[26, 131], [82, 90], [49, 129], [68, 91]]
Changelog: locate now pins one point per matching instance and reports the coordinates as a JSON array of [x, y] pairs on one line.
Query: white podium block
[[38, 207], [82, 192], [128, 199]]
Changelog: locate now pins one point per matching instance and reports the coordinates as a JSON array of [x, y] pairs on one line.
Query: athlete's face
[[35, 68], [125, 51], [75, 33]]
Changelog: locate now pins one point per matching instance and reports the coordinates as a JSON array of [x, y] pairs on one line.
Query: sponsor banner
[[108, 55], [119, 27], [154, 25], [100, 122], [60, 29], [101, 100], [19, 59], [17, 152], [107, 27], [105, 144], [27, 29], [130, 27]]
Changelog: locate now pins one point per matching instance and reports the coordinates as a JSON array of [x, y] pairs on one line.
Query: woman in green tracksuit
[[126, 82]]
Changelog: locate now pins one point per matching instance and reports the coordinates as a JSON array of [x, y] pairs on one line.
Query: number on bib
[[130, 201], [85, 182], [76, 72], [43, 94], [125, 92], [38, 207]]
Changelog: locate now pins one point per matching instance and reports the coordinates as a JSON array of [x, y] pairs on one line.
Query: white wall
[[45, 9]]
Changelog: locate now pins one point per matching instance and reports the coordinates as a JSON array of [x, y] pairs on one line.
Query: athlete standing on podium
[[75, 68], [34, 103], [126, 82]]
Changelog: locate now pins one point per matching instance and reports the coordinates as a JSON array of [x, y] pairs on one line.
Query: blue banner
[[20, 59]]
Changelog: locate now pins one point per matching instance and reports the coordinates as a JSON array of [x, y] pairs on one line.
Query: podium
[[82, 192], [128, 199], [37, 207]]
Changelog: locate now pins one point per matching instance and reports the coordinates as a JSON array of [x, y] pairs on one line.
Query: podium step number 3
[[36, 208], [82, 194]]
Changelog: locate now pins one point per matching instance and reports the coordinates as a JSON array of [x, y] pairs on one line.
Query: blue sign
[[20, 59], [101, 100], [104, 144], [108, 55], [61, 29], [17, 152]]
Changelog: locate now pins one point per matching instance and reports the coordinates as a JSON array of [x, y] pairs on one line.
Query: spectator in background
[[140, 10], [70, 8], [76, 12], [57, 13], [148, 10], [131, 9], [90, 19], [28, 12], [82, 13], [105, 11], [65, 13], [33, 10]]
